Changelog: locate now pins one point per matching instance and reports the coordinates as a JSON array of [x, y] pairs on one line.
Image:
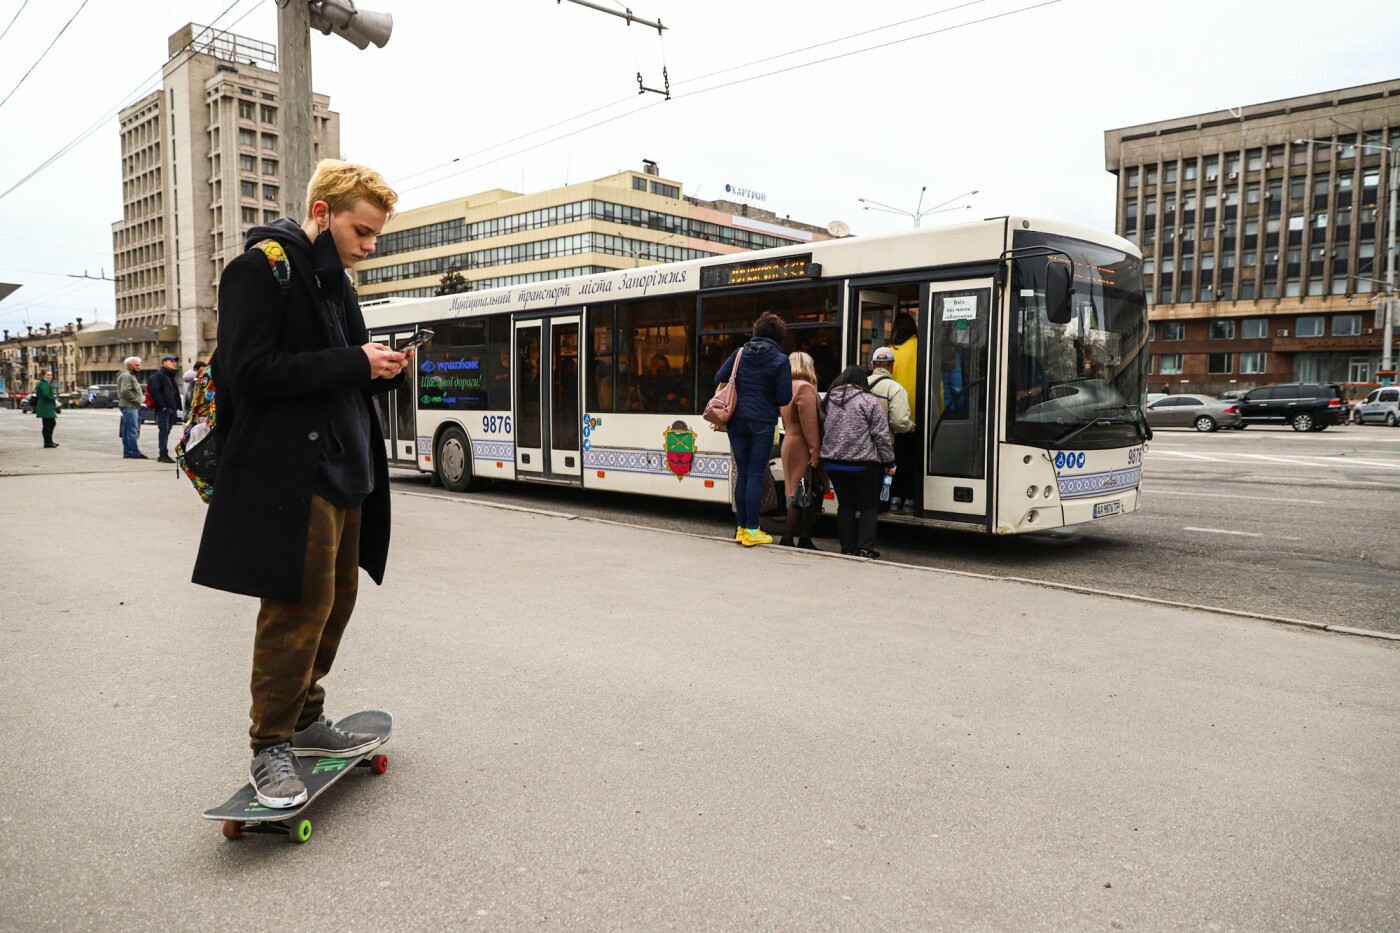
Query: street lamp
[[1386, 374], [917, 214]]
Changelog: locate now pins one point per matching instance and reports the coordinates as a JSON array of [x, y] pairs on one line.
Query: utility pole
[[294, 75], [1386, 374], [295, 19]]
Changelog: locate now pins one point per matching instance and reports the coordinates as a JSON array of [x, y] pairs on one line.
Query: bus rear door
[[956, 326], [548, 416]]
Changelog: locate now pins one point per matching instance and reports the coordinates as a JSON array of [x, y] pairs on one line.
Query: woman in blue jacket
[[763, 386]]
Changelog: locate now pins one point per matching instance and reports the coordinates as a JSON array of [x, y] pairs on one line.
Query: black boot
[[786, 541], [807, 545]]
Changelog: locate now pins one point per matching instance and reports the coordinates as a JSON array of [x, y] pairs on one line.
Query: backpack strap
[[277, 259]]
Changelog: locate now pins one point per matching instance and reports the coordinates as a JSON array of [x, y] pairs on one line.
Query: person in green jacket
[[46, 406]]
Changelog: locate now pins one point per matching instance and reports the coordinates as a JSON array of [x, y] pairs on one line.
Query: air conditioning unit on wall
[[1283, 333]]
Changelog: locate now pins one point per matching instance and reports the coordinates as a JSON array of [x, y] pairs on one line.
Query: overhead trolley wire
[[13, 18], [139, 90], [716, 87], [45, 53]]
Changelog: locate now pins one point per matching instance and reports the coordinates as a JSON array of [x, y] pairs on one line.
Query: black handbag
[[806, 495]]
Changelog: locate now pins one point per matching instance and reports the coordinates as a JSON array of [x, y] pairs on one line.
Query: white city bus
[[1032, 339]]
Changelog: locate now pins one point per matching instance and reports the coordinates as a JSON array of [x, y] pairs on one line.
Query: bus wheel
[[454, 461]]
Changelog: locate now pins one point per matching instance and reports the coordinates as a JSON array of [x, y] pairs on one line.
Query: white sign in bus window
[[960, 308]]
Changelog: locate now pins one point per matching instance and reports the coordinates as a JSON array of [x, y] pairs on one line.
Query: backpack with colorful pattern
[[198, 451]]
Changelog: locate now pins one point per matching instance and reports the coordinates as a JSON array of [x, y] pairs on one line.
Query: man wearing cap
[[895, 398], [164, 386]]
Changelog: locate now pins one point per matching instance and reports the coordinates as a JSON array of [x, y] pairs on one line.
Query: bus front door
[[956, 325], [398, 410], [548, 416]]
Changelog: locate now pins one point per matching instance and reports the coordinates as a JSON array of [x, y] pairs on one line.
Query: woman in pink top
[[802, 445]]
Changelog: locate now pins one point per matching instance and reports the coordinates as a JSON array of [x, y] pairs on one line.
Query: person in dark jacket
[[301, 500], [46, 405], [763, 387], [859, 454], [165, 395]]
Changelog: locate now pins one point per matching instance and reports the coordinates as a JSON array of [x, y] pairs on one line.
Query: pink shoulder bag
[[720, 409]]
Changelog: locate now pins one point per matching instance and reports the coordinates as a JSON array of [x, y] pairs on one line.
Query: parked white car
[[1382, 406]]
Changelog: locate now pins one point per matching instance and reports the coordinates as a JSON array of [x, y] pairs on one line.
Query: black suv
[[1307, 406]]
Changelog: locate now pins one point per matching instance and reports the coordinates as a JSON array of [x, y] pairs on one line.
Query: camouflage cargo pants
[[296, 642]]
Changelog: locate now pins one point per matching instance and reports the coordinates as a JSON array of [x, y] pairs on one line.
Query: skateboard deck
[[242, 813]]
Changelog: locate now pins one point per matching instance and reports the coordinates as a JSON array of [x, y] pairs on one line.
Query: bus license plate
[[1108, 508]]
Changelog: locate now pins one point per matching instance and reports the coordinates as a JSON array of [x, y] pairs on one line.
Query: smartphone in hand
[[416, 341]]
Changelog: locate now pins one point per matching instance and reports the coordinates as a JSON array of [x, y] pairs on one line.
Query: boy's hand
[[384, 362]]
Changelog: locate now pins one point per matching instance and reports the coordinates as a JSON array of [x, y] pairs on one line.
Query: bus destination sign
[[760, 271]]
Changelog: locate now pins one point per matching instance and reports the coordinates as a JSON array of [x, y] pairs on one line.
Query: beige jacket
[[895, 400]]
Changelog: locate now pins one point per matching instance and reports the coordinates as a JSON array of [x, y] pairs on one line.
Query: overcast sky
[[1014, 106]]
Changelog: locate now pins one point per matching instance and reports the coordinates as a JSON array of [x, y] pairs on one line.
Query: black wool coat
[[276, 369]]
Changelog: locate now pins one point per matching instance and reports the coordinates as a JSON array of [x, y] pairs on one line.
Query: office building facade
[[201, 164], [1263, 235], [497, 238]]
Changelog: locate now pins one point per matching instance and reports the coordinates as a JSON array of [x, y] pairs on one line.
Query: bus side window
[[602, 357], [656, 359], [498, 364]]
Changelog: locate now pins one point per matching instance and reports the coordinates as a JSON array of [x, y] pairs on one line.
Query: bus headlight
[[1031, 491], [1048, 491]]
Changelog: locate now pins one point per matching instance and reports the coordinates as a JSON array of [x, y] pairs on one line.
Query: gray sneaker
[[325, 739], [274, 776]]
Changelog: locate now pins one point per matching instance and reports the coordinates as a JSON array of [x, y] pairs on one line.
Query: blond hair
[[803, 367], [341, 184]]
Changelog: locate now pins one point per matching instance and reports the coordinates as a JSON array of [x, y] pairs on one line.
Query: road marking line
[[1177, 453], [1343, 458], [1218, 495], [1243, 534], [1288, 460]]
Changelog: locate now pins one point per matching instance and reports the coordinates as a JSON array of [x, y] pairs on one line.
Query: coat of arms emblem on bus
[[680, 449]]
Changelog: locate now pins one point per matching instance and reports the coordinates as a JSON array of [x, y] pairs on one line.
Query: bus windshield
[[1079, 383]]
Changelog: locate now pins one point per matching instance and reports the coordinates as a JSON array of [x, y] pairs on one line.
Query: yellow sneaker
[[755, 537], [738, 535]]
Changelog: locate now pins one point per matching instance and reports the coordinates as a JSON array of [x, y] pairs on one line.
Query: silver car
[[1192, 411], [1382, 406]]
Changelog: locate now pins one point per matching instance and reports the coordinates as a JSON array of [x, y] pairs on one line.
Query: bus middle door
[[957, 322], [548, 414]]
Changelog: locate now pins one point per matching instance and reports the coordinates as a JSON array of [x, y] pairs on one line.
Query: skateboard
[[242, 813]]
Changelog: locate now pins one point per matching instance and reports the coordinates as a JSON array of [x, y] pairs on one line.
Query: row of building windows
[[247, 110], [249, 163], [1340, 285], [1254, 160], [1170, 364], [1254, 193], [448, 232], [528, 252], [657, 187], [249, 189], [1309, 325], [250, 139], [429, 291]]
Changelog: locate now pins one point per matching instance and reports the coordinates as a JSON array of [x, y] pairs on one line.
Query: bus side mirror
[[1058, 289]]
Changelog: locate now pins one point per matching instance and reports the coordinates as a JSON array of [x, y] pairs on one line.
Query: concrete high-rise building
[[498, 238], [1263, 235], [200, 165]]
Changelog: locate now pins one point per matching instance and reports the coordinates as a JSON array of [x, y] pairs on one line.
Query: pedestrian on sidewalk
[[895, 401], [46, 405], [165, 393], [858, 454], [191, 377], [763, 386], [129, 398], [802, 451], [301, 500]]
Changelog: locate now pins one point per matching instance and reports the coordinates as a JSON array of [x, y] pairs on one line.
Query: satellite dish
[[838, 228]]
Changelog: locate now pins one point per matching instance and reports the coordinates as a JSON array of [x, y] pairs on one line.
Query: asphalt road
[[1266, 521]]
